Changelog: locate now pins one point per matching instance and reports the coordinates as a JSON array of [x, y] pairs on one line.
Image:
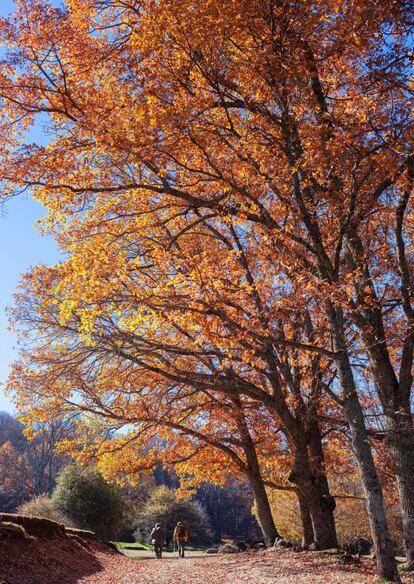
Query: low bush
[[43, 506]]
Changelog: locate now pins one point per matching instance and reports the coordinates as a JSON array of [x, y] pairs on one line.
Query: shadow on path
[[47, 561]]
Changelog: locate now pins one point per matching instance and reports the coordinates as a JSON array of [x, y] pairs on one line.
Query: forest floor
[[262, 567], [72, 560]]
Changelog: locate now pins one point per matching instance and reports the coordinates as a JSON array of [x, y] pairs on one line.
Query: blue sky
[[21, 246]]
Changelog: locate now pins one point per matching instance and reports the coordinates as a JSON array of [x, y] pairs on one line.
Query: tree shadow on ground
[[47, 561]]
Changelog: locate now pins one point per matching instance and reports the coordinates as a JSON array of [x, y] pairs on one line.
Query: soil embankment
[[38, 551]]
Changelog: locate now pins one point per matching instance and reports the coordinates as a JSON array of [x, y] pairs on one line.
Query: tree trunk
[[401, 444], [400, 432], [374, 499], [264, 512], [320, 506], [387, 566], [394, 391], [305, 516], [386, 563], [323, 522], [327, 502], [314, 490], [400, 435]]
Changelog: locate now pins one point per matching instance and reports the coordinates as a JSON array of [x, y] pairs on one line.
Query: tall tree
[[291, 390], [292, 119]]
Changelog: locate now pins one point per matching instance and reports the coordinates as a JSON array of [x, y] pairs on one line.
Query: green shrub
[[90, 501]]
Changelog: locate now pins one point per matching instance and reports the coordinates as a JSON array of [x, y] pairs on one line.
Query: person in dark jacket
[[158, 540], [181, 538]]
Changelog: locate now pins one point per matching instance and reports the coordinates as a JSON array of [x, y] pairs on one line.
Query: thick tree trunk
[[327, 502], [387, 566], [401, 444], [394, 391], [384, 551], [395, 401], [306, 519], [314, 490], [400, 432], [320, 506], [323, 522], [374, 499]]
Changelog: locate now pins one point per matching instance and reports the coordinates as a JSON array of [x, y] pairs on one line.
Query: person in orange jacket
[[181, 537]]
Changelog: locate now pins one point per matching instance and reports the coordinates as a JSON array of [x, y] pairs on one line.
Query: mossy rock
[[85, 533], [212, 551], [9, 527], [13, 532], [228, 548]]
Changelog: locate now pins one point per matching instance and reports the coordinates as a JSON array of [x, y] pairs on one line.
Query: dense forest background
[[29, 470]]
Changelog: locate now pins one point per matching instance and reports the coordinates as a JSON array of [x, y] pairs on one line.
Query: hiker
[[158, 539], [181, 537]]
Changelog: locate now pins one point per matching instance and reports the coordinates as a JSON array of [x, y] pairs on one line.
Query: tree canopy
[[230, 183]]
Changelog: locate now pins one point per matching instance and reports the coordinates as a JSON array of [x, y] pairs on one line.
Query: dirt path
[[148, 554], [248, 568]]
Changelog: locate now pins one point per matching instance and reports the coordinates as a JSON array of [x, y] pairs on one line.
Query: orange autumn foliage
[[229, 182]]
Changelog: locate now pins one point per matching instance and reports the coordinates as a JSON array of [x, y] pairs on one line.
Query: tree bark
[[327, 502], [386, 563], [264, 512], [374, 499], [400, 433], [396, 405], [400, 440], [306, 519], [315, 491], [394, 392], [320, 505]]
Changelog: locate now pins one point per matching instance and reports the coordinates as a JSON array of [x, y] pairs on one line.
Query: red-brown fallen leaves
[[269, 567], [56, 562]]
